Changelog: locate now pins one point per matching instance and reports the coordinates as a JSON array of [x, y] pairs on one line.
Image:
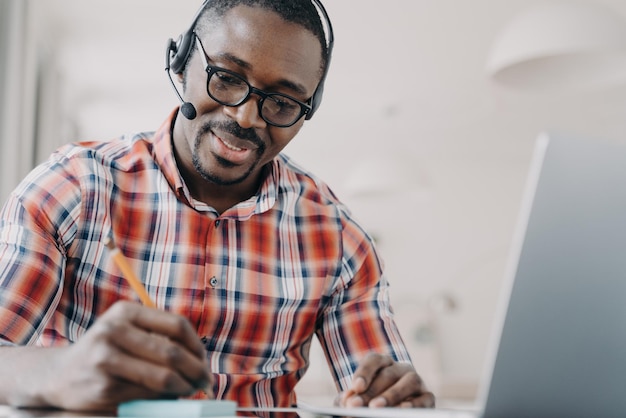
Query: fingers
[[104, 395], [160, 322], [369, 368], [172, 367], [88, 376], [380, 382], [149, 375], [361, 390], [130, 352], [407, 391], [151, 348]]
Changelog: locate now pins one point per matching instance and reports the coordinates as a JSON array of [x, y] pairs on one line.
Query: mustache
[[234, 129]]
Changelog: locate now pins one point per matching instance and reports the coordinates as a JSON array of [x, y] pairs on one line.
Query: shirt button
[[213, 281]]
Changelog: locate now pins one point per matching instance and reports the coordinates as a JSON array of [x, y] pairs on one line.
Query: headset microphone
[[187, 109]]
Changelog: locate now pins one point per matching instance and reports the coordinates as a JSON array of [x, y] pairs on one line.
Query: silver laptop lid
[[560, 348]]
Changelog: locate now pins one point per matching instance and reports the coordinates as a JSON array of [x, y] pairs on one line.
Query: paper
[[370, 412]]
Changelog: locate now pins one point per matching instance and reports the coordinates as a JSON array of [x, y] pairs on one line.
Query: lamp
[[560, 44]]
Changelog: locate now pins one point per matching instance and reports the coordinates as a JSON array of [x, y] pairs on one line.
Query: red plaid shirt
[[258, 281]]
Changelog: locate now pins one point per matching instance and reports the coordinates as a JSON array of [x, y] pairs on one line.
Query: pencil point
[[108, 242]]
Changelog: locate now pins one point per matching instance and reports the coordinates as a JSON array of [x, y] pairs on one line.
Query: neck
[[219, 197]]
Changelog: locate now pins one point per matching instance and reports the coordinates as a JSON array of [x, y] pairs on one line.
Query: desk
[[8, 412]]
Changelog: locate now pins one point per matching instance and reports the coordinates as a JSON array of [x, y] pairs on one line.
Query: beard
[[234, 129]]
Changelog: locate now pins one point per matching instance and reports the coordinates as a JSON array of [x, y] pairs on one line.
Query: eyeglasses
[[230, 89]]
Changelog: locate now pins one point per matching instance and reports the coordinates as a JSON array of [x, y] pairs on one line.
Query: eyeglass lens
[[232, 90]]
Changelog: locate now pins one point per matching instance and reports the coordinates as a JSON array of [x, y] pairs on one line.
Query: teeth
[[230, 146]]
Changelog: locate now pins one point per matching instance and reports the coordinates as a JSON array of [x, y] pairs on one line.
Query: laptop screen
[[561, 347]]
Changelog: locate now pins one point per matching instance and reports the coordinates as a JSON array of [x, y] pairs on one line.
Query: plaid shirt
[[257, 281]]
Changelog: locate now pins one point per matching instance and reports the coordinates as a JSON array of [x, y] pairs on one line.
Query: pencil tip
[[108, 241]]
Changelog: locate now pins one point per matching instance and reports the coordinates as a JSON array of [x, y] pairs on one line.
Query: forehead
[[261, 42]]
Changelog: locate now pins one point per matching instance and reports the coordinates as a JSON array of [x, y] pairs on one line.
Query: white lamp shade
[[560, 43]]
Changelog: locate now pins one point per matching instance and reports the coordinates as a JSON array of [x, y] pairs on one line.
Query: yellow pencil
[[127, 272]]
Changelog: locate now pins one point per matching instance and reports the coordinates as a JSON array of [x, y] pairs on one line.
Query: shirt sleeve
[[358, 318], [32, 253]]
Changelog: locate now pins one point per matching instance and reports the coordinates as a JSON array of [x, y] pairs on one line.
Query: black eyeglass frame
[[305, 108]]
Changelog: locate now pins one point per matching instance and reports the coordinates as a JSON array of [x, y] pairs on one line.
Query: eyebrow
[[296, 87]]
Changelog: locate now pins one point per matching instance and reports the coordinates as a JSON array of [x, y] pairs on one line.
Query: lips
[[232, 147], [235, 150], [236, 145]]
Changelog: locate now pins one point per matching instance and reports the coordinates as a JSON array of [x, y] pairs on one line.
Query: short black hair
[[300, 12]]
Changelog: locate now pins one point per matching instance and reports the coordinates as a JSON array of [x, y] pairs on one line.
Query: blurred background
[[427, 127]]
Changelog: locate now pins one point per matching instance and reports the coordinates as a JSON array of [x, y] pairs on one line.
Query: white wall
[[17, 94], [407, 85]]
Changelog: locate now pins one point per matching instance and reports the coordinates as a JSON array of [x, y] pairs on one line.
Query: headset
[[177, 53]]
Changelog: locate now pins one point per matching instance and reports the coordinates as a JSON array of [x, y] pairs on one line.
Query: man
[[246, 255]]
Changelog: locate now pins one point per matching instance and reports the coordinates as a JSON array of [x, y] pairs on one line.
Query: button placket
[[214, 282]]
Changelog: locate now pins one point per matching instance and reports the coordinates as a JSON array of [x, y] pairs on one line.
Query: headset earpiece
[[316, 99], [180, 51]]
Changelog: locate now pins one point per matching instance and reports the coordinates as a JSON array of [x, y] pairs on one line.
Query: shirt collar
[[261, 202]]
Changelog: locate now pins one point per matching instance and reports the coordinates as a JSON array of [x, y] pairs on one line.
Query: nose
[[246, 114]]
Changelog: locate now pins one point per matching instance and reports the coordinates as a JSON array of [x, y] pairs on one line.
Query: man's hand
[[380, 382], [131, 352]]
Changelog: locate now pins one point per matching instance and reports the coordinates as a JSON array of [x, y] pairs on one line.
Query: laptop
[[559, 342], [561, 348]]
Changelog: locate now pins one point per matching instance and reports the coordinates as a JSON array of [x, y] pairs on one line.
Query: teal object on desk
[[183, 408]]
